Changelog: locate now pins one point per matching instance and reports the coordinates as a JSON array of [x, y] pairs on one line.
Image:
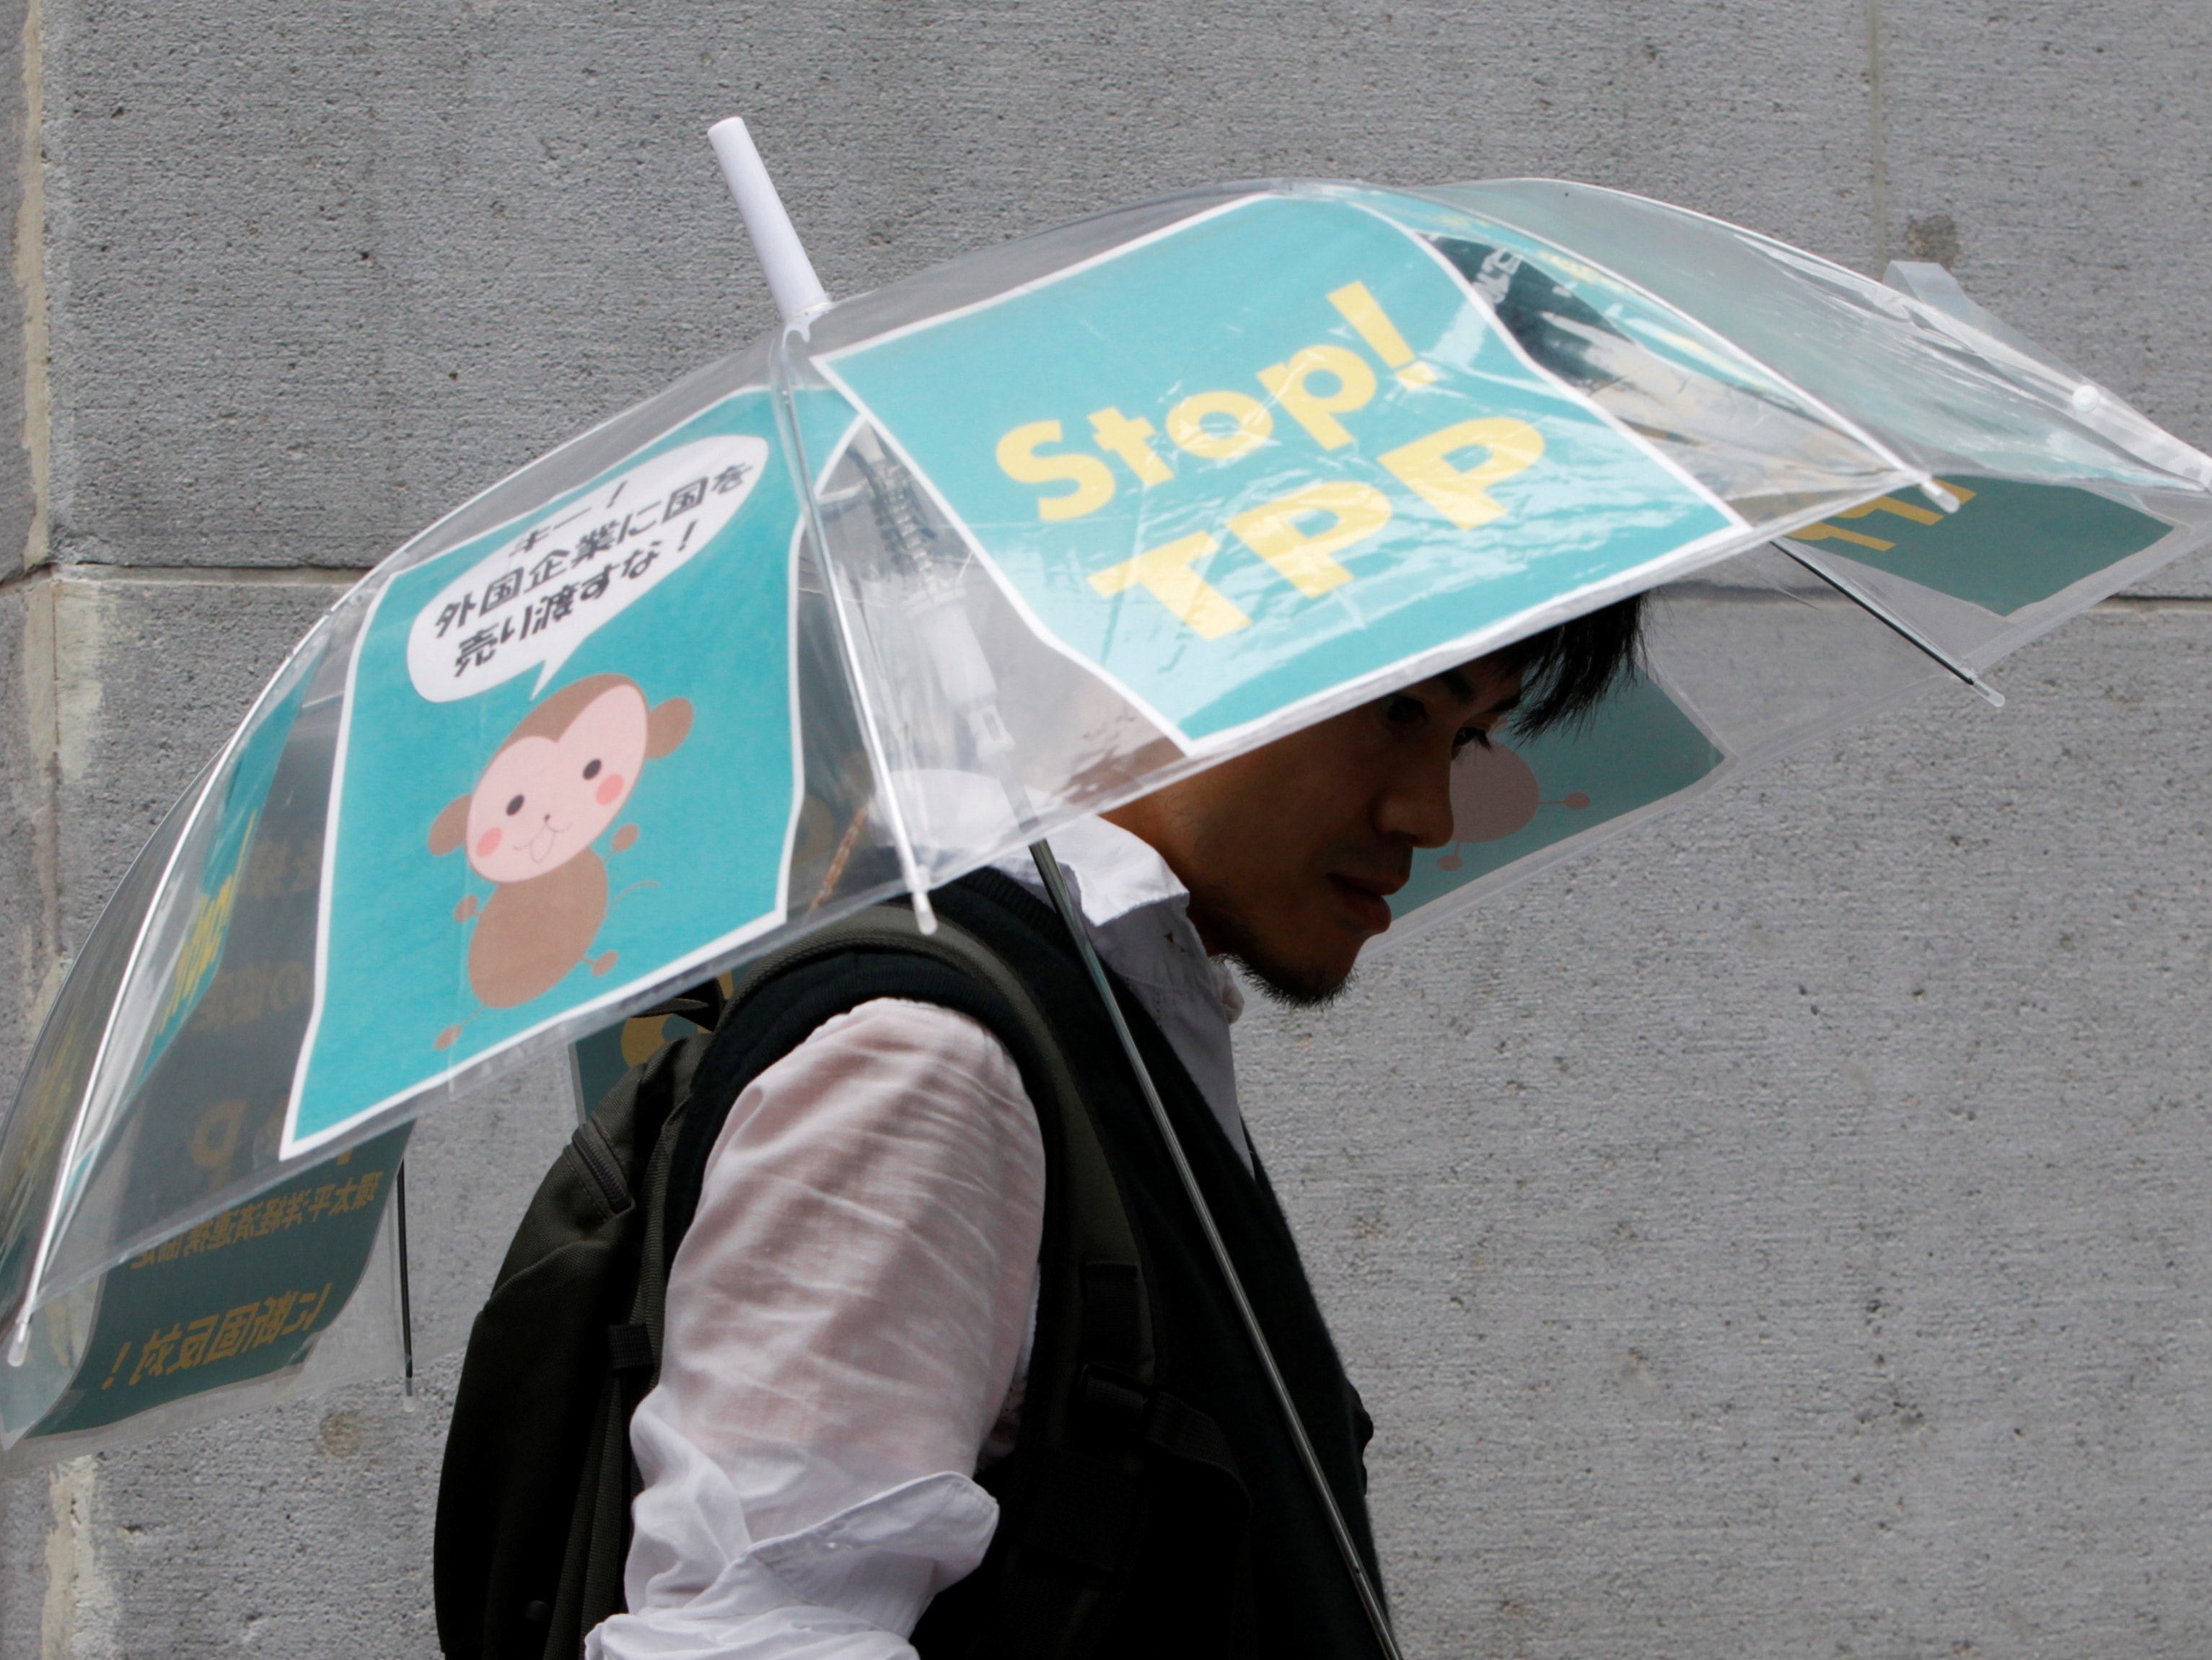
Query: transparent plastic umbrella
[[901, 589]]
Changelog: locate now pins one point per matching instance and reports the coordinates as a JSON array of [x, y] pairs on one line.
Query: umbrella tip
[[1934, 489], [19, 1346], [798, 293]]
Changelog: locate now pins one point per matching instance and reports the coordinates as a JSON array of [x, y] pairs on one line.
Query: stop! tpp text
[[1300, 534]]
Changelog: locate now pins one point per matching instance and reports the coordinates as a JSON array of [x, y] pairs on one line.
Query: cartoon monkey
[[559, 779]]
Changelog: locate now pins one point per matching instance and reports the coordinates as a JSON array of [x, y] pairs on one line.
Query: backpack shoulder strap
[[785, 997]]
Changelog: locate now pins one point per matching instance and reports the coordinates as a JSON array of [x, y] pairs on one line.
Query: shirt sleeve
[[845, 1317]]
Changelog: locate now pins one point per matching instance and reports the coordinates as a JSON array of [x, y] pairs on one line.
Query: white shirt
[[849, 1315]]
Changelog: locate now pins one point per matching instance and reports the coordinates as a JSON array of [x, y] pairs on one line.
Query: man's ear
[[668, 725], [451, 824]]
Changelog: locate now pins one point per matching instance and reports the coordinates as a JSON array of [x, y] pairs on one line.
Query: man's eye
[[1479, 736], [1403, 711]]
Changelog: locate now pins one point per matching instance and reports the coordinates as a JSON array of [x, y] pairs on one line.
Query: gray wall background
[[1780, 1234]]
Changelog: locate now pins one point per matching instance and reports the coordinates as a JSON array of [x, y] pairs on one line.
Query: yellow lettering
[[1917, 515], [1365, 313], [1187, 425], [1355, 385], [1119, 435], [204, 942], [1462, 495], [1825, 532], [1018, 459], [1165, 573], [1306, 559]]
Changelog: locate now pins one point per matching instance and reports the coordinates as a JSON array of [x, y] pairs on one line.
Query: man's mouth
[[1368, 898]]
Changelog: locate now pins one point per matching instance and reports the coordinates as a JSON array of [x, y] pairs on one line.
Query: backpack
[[532, 1526]]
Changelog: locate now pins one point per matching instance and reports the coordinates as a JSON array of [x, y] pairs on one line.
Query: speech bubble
[[533, 601]]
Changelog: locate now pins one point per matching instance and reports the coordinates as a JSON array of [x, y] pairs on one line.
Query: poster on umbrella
[[1268, 454], [2010, 544], [533, 811], [234, 1299]]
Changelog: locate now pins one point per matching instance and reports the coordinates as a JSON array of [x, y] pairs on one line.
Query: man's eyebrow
[[1456, 683]]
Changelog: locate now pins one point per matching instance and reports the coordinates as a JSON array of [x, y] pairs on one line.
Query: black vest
[[1155, 1505]]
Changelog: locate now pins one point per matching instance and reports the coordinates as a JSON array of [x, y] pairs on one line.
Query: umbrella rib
[[867, 719], [1890, 620], [1370, 1599], [406, 1295], [19, 1342]]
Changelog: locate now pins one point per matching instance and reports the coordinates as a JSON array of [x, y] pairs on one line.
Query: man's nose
[[1417, 807]]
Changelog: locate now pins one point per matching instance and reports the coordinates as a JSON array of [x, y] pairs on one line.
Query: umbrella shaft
[[406, 1296], [1370, 1599]]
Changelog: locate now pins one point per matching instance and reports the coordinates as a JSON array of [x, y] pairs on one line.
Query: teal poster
[[2009, 545], [568, 768], [239, 1296], [1510, 799], [251, 774], [1267, 453]]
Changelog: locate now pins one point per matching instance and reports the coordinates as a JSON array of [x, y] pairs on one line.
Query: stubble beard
[[1292, 985]]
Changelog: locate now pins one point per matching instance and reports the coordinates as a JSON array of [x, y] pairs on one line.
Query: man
[[853, 1313]]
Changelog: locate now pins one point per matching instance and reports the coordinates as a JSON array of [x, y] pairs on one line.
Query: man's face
[[1289, 851]]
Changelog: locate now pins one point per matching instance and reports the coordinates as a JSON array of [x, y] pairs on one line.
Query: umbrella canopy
[[896, 591]]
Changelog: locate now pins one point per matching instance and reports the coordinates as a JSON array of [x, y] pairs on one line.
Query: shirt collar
[[1111, 872], [1114, 874]]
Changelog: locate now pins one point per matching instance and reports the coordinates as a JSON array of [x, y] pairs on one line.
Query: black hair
[[1567, 671]]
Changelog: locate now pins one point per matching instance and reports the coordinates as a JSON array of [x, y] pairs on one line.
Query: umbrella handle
[[799, 292]]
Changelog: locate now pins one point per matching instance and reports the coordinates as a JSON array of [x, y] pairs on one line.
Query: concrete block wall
[[1777, 1234]]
